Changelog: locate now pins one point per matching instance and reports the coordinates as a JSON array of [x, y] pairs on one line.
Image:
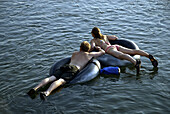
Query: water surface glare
[[34, 34]]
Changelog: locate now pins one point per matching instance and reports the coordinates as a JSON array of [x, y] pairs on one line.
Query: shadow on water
[[112, 77], [36, 33], [152, 72], [144, 70]]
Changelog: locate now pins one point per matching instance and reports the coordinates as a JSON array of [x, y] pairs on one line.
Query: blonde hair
[[85, 46], [96, 32]]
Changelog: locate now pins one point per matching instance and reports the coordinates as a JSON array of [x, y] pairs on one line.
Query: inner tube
[[109, 60], [89, 72]]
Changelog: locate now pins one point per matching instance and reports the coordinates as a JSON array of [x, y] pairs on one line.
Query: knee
[[46, 80]]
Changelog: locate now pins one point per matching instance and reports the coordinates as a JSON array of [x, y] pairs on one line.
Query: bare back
[[103, 43], [81, 58]]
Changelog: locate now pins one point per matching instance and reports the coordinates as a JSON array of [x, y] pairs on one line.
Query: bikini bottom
[[112, 46]]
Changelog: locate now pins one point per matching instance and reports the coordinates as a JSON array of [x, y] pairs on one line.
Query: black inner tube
[[125, 43]]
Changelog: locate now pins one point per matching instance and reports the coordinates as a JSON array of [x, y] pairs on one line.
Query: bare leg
[[139, 52], [44, 82], [133, 51], [121, 55], [54, 85]]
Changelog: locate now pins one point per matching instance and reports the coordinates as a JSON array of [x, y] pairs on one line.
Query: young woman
[[117, 50]]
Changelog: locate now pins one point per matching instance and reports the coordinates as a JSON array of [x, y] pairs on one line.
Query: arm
[[92, 44], [97, 54], [112, 37]]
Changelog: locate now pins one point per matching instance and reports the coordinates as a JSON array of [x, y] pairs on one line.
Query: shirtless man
[[68, 72]]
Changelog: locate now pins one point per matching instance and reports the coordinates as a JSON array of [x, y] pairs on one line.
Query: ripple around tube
[[35, 34]]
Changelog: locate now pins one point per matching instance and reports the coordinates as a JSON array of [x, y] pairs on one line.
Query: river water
[[34, 34]]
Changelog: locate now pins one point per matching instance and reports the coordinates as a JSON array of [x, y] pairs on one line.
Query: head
[[96, 32], [85, 46]]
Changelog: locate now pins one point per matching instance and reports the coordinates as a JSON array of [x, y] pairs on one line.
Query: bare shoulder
[[105, 37], [92, 40], [75, 53]]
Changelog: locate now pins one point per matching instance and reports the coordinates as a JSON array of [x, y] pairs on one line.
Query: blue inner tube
[[86, 74], [109, 60]]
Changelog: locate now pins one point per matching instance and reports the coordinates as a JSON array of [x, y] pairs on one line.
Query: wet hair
[[96, 32], [85, 46]]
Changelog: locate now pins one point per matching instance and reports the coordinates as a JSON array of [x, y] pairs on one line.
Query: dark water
[[36, 33]]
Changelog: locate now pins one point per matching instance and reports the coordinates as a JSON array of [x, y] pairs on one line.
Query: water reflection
[[35, 34]]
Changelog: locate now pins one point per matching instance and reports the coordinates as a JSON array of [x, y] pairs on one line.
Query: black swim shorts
[[66, 72]]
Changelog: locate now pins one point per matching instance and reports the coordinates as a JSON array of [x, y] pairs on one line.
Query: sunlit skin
[[79, 59], [122, 53], [118, 51]]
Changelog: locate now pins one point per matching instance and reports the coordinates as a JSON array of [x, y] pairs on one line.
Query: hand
[[98, 48], [114, 36]]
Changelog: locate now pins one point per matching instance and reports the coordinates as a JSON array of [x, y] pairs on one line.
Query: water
[[35, 34]]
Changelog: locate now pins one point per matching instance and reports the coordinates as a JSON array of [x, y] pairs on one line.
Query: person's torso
[[80, 59], [103, 42]]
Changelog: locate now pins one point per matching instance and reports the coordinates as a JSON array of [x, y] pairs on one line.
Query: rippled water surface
[[36, 33]]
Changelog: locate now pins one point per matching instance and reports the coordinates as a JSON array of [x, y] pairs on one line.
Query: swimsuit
[[110, 46], [113, 46], [66, 72]]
